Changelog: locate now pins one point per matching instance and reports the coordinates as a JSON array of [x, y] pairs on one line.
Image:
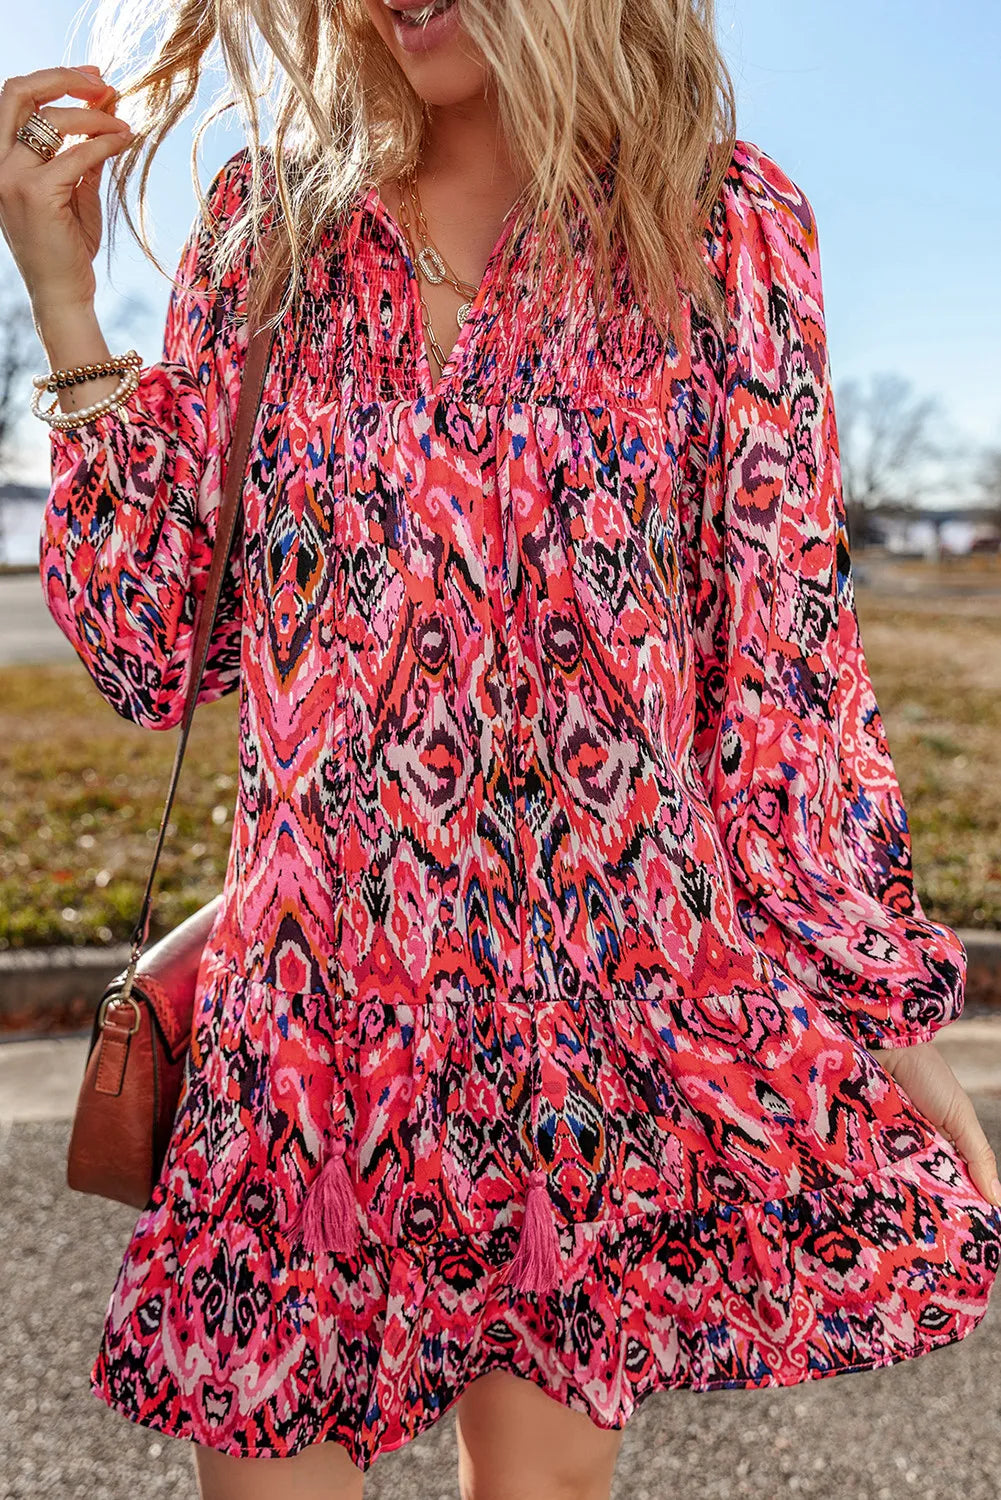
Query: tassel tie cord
[[537, 1263], [327, 1218]]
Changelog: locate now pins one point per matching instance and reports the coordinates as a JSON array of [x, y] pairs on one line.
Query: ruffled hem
[[155, 1424], [227, 1341]]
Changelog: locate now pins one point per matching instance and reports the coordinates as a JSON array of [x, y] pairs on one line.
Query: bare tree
[[885, 436], [19, 353]]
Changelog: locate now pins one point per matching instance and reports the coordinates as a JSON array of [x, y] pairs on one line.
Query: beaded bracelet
[[62, 420], [58, 380]]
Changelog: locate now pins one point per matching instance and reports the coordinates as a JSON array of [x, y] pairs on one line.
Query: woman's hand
[[50, 211], [928, 1081]]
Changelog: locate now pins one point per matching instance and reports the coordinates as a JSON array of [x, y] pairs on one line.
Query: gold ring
[[41, 135]]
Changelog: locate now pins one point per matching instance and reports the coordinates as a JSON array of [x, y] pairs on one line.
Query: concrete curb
[[983, 980], [52, 991], [55, 990]]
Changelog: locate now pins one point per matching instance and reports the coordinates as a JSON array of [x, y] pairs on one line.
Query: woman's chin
[[440, 60]]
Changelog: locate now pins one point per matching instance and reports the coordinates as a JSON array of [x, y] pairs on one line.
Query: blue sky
[[881, 113]]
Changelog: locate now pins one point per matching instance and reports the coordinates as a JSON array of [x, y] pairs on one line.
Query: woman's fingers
[[925, 1076], [68, 165], [21, 93], [101, 135], [50, 211], [966, 1132], [64, 170], [79, 121]]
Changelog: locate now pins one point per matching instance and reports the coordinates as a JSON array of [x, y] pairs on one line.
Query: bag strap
[[256, 361]]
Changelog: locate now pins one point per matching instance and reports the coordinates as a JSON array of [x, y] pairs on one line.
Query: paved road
[[925, 1428], [28, 633]]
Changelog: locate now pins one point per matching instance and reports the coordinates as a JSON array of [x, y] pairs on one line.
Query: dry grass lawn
[[935, 659], [81, 793]]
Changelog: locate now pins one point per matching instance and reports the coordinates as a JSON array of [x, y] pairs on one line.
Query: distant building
[[906, 531]]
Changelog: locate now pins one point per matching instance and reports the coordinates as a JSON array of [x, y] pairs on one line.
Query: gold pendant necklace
[[432, 265]]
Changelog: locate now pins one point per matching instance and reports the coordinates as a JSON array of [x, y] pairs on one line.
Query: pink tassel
[[328, 1216], [537, 1263]]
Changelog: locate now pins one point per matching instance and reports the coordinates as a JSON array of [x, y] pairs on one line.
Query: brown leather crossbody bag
[[142, 1028]]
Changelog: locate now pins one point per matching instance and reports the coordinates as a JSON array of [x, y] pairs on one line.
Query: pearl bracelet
[[61, 420]]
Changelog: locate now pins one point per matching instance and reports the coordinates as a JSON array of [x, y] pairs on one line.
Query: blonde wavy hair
[[578, 82]]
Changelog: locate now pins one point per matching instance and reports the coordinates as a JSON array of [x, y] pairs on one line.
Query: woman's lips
[[417, 37]]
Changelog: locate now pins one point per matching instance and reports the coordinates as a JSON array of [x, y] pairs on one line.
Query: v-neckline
[[429, 388]]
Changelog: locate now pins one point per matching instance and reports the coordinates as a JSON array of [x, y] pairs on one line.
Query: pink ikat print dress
[[570, 881]]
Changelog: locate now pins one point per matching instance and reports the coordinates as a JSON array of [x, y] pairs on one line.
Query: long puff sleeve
[[788, 736], [124, 552]]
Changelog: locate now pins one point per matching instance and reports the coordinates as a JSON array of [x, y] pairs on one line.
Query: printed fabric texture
[[570, 881]]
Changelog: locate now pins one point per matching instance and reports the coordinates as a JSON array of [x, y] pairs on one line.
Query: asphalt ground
[[926, 1427]]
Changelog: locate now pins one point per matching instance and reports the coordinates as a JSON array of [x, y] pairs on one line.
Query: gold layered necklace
[[431, 264]]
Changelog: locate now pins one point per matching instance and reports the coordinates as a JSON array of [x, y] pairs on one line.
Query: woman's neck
[[466, 183], [465, 162]]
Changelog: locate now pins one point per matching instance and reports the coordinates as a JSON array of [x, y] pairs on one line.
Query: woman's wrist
[[71, 336]]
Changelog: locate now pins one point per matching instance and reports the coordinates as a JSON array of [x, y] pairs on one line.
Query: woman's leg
[[321, 1472], [518, 1443]]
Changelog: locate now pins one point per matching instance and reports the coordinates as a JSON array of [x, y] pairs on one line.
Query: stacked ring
[[42, 136]]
